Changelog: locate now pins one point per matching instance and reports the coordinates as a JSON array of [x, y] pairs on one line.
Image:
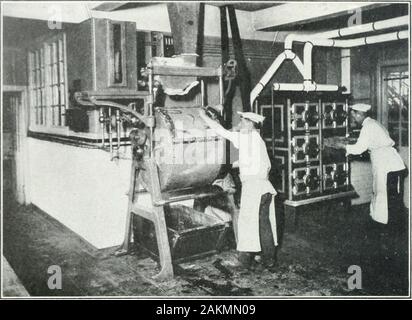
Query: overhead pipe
[[285, 55], [350, 43], [364, 28], [307, 60], [298, 63], [267, 76], [305, 68], [321, 40], [343, 32], [305, 86]]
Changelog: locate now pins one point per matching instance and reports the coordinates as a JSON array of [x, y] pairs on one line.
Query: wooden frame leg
[[124, 248], [165, 257]]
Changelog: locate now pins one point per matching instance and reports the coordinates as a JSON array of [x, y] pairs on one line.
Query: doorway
[[11, 102], [15, 152], [394, 111]]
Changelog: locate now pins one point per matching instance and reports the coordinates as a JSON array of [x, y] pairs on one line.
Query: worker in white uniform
[[256, 223], [387, 165]]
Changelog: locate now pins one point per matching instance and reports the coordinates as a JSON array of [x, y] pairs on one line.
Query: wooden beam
[[244, 75], [293, 13], [245, 6], [224, 43], [184, 22]]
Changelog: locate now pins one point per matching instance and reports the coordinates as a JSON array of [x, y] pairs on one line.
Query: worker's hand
[[334, 142], [342, 145], [218, 108], [202, 113]]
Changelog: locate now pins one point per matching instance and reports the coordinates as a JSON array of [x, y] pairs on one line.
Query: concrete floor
[[313, 261], [11, 283]]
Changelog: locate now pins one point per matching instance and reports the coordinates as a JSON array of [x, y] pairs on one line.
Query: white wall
[[81, 188]]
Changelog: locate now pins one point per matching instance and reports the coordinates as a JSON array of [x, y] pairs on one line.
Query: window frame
[[48, 70], [382, 110]]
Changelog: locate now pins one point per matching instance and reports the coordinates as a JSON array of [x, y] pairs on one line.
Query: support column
[[184, 22], [345, 69], [244, 75], [228, 97]]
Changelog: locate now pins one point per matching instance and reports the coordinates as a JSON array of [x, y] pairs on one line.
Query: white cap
[[252, 116], [363, 107]]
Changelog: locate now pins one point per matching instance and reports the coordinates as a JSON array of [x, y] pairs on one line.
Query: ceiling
[[245, 6], [265, 16], [293, 16], [373, 12]]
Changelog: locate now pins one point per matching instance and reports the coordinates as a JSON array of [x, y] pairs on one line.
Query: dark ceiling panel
[[113, 6], [246, 6]]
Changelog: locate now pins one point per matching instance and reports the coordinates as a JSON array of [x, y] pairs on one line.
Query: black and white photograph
[[234, 150]]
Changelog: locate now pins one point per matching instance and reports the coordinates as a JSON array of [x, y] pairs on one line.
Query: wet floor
[[313, 261]]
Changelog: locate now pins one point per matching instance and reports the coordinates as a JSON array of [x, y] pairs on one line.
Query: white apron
[[254, 166], [248, 220], [384, 160]]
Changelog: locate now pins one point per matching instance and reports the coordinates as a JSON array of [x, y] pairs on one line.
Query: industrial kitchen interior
[[123, 176]]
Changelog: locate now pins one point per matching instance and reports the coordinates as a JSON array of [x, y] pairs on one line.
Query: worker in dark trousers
[[388, 170], [387, 165], [256, 222], [396, 207]]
